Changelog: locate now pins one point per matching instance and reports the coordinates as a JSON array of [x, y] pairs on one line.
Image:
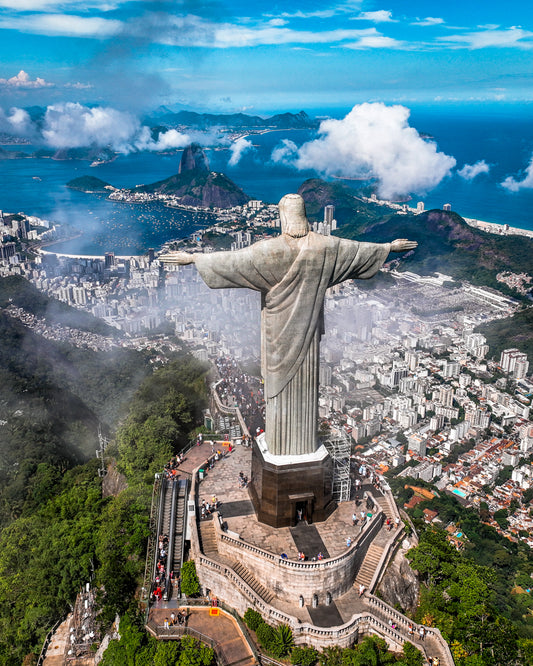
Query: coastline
[[498, 229]]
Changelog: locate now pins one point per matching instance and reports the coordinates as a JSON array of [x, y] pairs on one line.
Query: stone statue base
[[286, 489]]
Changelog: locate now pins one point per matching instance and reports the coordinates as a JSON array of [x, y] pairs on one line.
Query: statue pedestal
[[283, 486]]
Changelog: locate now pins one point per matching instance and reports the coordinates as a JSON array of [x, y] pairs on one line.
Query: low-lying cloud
[[73, 125], [470, 171], [373, 141], [237, 149], [526, 183]]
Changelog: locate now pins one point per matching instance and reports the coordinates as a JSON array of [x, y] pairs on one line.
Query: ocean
[[502, 136]]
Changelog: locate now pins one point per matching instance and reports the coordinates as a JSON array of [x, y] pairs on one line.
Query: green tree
[[282, 641], [252, 618], [304, 656], [411, 656], [190, 585]]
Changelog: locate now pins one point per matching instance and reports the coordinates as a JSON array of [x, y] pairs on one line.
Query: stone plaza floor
[[237, 511]]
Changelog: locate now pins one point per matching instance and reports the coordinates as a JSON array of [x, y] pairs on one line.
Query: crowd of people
[[237, 389], [207, 508], [175, 618], [170, 471], [160, 581]]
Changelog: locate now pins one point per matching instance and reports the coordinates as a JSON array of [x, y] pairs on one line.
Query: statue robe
[[292, 275]]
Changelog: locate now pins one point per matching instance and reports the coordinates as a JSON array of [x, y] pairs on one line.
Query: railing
[[404, 621], [302, 565], [304, 629], [46, 643], [156, 515]]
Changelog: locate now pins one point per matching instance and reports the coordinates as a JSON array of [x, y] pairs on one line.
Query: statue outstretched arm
[[179, 258], [402, 245]]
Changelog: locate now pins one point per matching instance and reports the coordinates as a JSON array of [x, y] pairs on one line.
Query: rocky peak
[[194, 159]]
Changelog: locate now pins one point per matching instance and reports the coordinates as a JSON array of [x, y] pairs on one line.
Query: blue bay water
[[503, 138]]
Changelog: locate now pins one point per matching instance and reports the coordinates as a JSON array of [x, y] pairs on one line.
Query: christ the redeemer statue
[[292, 272]]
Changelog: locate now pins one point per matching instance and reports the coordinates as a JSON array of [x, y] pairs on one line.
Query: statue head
[[293, 218]]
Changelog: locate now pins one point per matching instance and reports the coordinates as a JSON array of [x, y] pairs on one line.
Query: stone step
[[369, 565], [208, 537], [250, 579]]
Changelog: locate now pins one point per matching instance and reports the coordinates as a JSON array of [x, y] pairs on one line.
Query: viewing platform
[[245, 563]]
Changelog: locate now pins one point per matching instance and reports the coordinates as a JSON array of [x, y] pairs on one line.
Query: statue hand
[[402, 245], [179, 258]]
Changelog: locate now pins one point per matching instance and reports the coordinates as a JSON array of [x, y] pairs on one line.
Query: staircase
[[384, 503], [208, 538], [370, 564], [256, 586]]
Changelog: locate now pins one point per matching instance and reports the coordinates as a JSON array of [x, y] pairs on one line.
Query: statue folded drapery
[[292, 272]]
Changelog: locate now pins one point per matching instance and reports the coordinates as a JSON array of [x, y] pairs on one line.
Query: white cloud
[[72, 125], [376, 41], [512, 37], [22, 81], [286, 152], [429, 20], [470, 171], [54, 5], [373, 141], [63, 25], [166, 141], [79, 86], [514, 185], [379, 16], [238, 148], [17, 122]]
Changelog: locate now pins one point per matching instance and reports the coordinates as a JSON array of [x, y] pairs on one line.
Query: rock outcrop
[[195, 185], [399, 585]]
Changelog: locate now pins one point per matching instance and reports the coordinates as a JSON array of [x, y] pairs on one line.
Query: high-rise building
[[329, 212], [514, 362], [109, 260]]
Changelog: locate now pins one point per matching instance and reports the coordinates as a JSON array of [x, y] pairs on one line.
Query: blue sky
[[262, 57]]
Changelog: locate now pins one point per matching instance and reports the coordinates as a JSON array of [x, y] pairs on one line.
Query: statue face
[[292, 214]]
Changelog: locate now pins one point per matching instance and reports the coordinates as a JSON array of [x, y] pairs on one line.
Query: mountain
[[446, 243], [90, 184], [12, 154], [196, 185], [235, 120], [193, 158]]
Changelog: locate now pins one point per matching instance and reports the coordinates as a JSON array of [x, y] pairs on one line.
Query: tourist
[[348, 542], [165, 624], [354, 519], [422, 633], [362, 589]]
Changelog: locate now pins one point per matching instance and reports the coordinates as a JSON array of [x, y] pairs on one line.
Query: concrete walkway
[[223, 629]]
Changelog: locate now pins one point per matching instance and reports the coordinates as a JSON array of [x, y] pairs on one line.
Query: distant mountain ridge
[[235, 120]]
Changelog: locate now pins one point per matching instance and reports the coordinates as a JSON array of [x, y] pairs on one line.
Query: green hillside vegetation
[[89, 184], [53, 397], [16, 290], [446, 243], [71, 532], [199, 188], [349, 208], [472, 595], [516, 331]]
